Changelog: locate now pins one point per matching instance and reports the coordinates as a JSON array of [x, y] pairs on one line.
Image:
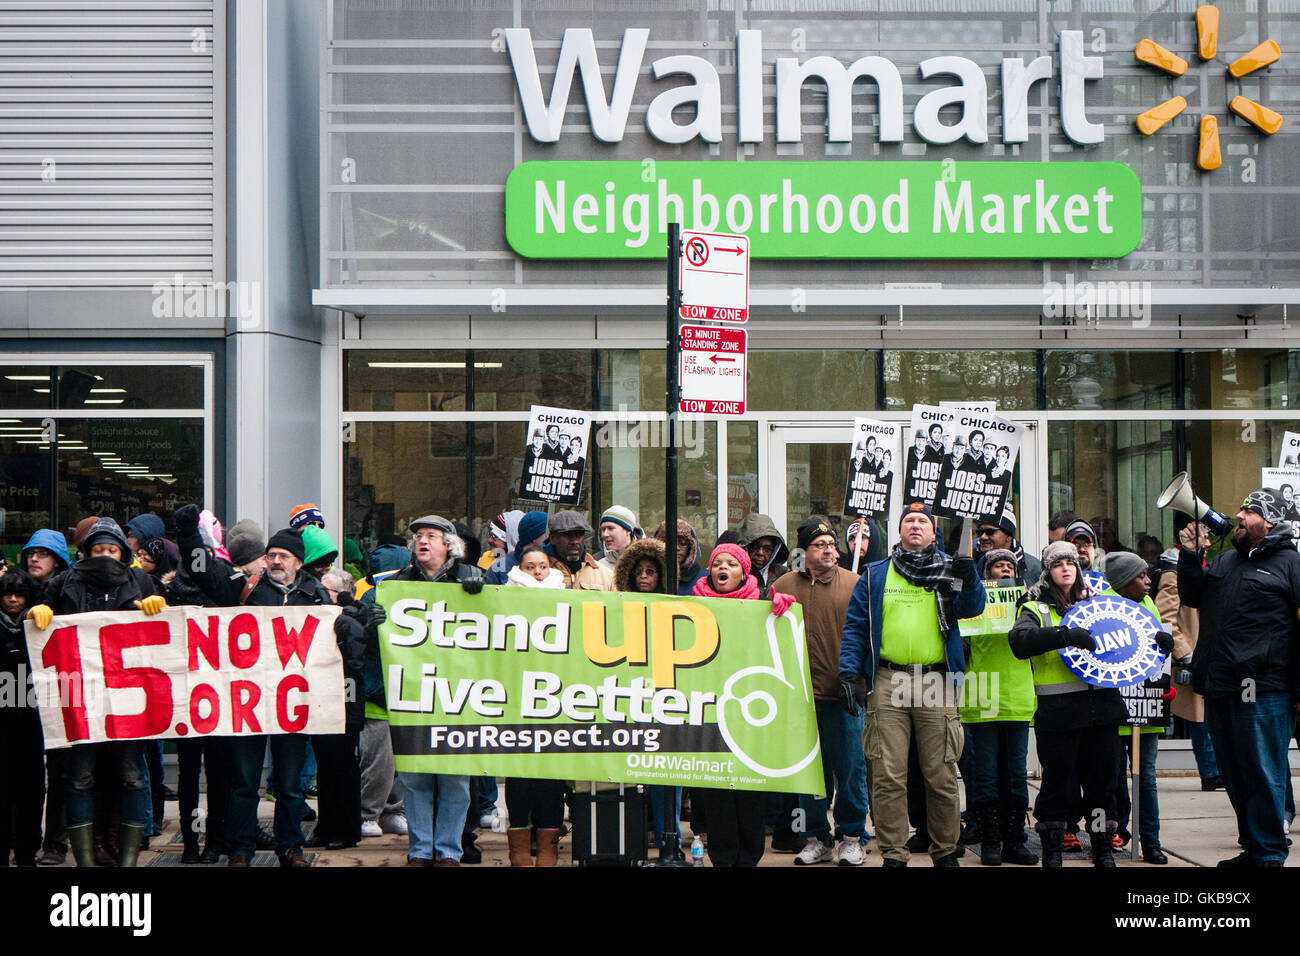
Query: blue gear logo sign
[[1125, 633]]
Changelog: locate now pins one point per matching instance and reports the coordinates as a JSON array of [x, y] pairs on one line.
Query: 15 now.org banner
[[590, 685]]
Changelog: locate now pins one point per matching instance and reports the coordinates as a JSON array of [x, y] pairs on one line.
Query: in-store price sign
[[712, 370], [715, 277]]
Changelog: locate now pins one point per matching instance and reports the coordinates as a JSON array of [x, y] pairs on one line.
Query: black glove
[[1165, 641], [377, 616], [187, 519], [849, 699], [1077, 637], [472, 586], [963, 566], [1182, 676]]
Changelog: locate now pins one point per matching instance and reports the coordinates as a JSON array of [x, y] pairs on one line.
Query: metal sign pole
[[1134, 823]]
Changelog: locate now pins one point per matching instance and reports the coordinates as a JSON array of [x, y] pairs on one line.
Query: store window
[[1243, 378], [1078, 379], [1008, 378], [57, 468], [812, 380]]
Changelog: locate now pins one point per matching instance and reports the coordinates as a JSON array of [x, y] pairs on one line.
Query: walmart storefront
[[945, 201]]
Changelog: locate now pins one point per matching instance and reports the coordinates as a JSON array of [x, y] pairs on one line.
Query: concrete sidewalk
[[1196, 829]]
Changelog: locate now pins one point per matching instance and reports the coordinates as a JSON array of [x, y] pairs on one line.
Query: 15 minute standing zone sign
[[712, 370]]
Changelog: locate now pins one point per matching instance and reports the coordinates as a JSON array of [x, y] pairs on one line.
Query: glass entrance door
[[807, 473]]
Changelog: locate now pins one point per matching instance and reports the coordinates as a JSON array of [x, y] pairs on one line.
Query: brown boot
[[517, 838], [548, 847]]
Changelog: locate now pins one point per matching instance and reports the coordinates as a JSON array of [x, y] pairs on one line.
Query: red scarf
[[747, 591]]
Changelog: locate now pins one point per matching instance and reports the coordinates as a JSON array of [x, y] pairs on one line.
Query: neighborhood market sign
[[1007, 209]]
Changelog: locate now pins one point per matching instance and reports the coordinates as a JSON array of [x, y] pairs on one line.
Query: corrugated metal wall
[[110, 171]]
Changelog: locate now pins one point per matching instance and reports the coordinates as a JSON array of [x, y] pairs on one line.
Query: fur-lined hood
[[651, 548]]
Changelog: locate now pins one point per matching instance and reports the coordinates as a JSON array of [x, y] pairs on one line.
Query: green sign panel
[[999, 611], [588, 685], [828, 210]]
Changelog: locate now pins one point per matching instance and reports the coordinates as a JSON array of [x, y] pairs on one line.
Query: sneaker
[[394, 823], [1070, 843], [891, 864], [1212, 783], [815, 851], [370, 828], [851, 852], [311, 793], [1118, 842], [52, 856], [488, 821], [948, 861]]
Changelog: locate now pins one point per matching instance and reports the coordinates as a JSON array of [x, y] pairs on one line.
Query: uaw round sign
[[1096, 581], [1125, 633]]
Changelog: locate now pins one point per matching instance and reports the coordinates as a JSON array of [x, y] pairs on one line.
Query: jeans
[[656, 795], [1149, 808], [431, 832], [1250, 744], [1202, 749], [1001, 748], [488, 794], [381, 791], [127, 758], [308, 775], [845, 768], [247, 755]]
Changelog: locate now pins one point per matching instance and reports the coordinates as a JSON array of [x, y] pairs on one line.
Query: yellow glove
[[152, 604], [42, 614]]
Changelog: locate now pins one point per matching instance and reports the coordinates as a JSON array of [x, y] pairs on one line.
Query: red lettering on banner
[[63, 653], [244, 695], [207, 644], [244, 625], [157, 686], [299, 720], [205, 693], [289, 642]]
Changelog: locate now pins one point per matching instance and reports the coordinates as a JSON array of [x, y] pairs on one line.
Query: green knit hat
[[317, 546]]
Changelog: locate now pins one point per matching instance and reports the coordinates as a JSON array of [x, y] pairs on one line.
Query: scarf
[[103, 572], [747, 591], [931, 569]]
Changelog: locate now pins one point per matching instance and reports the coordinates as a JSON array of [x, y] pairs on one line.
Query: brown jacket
[[824, 607], [1184, 624], [590, 576]]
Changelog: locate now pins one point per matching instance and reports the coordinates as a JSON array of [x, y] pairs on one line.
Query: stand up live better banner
[[591, 685], [187, 672]]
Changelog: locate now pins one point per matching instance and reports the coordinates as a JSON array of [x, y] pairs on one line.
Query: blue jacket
[[51, 541], [866, 611]]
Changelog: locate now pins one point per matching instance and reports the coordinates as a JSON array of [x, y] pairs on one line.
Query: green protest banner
[[590, 685], [999, 611]]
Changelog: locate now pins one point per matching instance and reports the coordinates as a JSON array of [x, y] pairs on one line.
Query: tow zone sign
[[712, 370], [715, 277]]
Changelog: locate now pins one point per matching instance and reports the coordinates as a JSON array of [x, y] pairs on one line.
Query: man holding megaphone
[[1247, 665]]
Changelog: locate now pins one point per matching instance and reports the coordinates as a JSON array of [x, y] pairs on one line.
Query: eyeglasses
[[986, 532]]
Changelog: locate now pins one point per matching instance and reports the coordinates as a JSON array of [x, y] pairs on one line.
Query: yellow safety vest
[[1051, 676]]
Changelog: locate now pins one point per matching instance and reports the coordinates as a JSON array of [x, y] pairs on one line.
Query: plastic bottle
[[697, 852]]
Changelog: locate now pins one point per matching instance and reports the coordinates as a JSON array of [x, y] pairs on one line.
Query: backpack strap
[[248, 587]]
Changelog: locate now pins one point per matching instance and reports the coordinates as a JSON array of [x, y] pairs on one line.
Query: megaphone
[[1178, 494]]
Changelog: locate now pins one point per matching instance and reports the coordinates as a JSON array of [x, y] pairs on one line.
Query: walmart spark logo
[[1208, 156]]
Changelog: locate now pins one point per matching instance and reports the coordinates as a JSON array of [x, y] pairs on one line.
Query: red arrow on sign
[[715, 359], [728, 249]]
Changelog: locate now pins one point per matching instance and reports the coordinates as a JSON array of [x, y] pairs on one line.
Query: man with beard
[[1246, 665], [1091, 559]]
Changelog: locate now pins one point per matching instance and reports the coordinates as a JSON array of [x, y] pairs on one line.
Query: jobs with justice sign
[[963, 461], [871, 468], [556, 457]]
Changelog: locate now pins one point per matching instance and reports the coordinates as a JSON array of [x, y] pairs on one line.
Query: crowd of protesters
[[879, 624]]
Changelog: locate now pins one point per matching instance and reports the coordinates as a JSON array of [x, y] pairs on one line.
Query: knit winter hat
[[146, 526], [532, 526], [305, 514], [497, 527], [736, 551], [1266, 502], [858, 527], [1123, 567], [245, 543], [107, 530], [811, 530], [83, 529], [1080, 528], [623, 517], [317, 548], [289, 539], [1008, 521], [916, 507], [1059, 551], [998, 554]]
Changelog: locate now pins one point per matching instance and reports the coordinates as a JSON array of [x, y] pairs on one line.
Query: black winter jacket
[[85, 587], [1247, 607]]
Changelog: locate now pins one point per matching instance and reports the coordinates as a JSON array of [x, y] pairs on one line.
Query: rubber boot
[[1052, 835], [990, 835], [1013, 836], [548, 847], [81, 837], [1102, 847], [130, 839], [518, 840]]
